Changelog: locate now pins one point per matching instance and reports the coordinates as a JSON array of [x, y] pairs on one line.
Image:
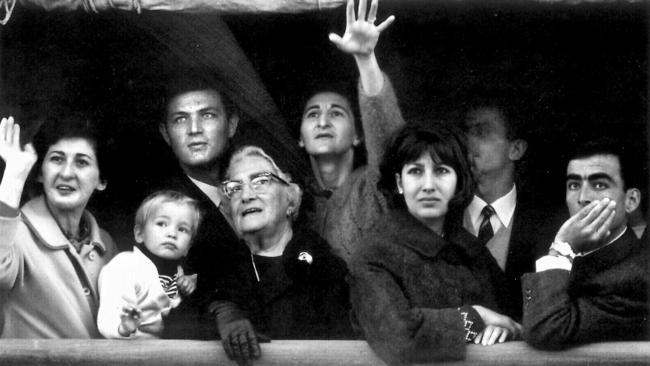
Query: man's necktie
[[485, 231]]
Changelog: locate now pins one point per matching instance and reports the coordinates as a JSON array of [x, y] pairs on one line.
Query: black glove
[[240, 342]]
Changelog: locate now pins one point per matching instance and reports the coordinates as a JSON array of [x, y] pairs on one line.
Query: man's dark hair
[[194, 80], [511, 103], [631, 176]]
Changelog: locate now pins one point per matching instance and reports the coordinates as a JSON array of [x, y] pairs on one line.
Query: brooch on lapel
[[304, 256]]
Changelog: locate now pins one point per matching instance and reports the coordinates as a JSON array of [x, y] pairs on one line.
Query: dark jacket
[[407, 283], [302, 300], [211, 257], [534, 225], [603, 298]]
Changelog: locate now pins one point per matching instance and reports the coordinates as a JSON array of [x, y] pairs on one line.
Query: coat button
[[92, 256], [529, 291], [86, 291]]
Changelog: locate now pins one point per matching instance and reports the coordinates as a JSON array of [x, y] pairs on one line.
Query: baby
[[138, 289]]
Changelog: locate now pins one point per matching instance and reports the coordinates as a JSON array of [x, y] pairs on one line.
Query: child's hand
[[186, 284], [131, 317]]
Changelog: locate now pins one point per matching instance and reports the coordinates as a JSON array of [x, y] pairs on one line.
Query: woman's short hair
[[347, 91], [156, 199], [293, 189], [444, 144], [61, 126]]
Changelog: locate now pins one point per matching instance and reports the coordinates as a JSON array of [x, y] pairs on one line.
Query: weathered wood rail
[[286, 353]]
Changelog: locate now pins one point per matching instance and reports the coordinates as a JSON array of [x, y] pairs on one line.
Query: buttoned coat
[[603, 298], [47, 288], [407, 284]]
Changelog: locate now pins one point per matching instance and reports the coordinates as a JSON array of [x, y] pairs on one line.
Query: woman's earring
[[289, 212], [400, 191]]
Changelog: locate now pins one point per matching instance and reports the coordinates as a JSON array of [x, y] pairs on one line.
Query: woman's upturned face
[[427, 188], [257, 211], [327, 126], [70, 174]]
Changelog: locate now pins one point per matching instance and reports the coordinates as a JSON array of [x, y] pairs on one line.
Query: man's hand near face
[[588, 229]]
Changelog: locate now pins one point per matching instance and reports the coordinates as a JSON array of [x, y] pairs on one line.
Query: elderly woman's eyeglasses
[[259, 183]]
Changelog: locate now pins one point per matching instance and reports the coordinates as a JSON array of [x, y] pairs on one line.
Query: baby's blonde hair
[[156, 199]]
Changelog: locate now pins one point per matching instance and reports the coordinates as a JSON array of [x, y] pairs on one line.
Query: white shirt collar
[[217, 196], [504, 207], [214, 193]]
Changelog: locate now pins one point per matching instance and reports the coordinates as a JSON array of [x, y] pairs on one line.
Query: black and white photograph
[[324, 182]]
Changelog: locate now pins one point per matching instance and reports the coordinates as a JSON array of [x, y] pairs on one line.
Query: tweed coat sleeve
[[380, 117], [562, 308], [397, 331]]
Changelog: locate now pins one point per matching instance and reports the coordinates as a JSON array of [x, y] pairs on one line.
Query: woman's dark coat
[[312, 300], [407, 284]]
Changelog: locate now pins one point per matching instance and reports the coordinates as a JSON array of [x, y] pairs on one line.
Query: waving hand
[[18, 162], [361, 33]]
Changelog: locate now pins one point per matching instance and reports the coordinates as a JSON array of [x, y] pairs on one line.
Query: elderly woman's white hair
[[293, 190]]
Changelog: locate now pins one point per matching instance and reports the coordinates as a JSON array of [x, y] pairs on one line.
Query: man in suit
[[505, 219], [593, 283], [199, 121]]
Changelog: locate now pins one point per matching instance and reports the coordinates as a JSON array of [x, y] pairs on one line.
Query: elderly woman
[[289, 285], [420, 285], [51, 250]]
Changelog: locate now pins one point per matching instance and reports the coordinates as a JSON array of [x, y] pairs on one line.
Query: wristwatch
[[564, 249]]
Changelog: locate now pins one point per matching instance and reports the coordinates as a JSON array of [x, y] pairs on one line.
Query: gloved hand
[[240, 342]]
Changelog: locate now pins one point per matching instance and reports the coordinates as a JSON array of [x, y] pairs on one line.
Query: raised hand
[[18, 162], [130, 317], [588, 228], [361, 33]]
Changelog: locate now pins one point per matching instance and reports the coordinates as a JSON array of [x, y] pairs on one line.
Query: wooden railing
[[287, 353]]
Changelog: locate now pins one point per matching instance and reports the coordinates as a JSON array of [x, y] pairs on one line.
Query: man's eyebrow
[[598, 176], [209, 108], [313, 106], [476, 123], [592, 177]]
